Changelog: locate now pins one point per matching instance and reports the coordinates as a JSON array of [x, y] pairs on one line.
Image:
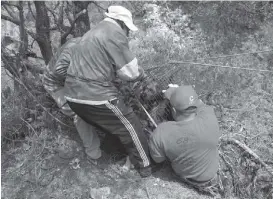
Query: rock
[[66, 147], [117, 197], [100, 193]]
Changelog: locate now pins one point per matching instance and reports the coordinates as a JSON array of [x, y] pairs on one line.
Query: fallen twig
[[148, 195], [247, 150]]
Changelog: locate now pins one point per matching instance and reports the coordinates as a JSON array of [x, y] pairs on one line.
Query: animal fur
[[149, 94]]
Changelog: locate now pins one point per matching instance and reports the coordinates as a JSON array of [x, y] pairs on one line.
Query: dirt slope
[[48, 168]]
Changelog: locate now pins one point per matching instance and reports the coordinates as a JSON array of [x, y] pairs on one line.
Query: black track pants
[[116, 118]]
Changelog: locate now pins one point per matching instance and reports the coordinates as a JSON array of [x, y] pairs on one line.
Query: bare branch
[[34, 68], [32, 34], [63, 38], [57, 27], [23, 34], [100, 7], [61, 14], [31, 45], [11, 12], [54, 28], [42, 30], [78, 15], [247, 150], [10, 19], [68, 14], [9, 4], [58, 20], [30, 9], [58, 3], [17, 22]]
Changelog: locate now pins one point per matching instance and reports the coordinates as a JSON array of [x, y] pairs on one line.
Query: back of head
[[184, 97]]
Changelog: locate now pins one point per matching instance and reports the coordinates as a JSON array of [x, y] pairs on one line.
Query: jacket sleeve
[[126, 63], [62, 64], [156, 148]]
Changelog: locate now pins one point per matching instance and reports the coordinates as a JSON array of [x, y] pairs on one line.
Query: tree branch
[[17, 22], [58, 3], [67, 13], [247, 150], [9, 4], [42, 24], [11, 12], [54, 28], [96, 4], [61, 14], [63, 37], [58, 20], [30, 9], [10, 19], [57, 27], [33, 68]]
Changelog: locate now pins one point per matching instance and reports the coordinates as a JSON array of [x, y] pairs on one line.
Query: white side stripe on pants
[[132, 132]]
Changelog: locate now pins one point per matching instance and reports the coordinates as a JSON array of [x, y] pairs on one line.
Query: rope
[[234, 55], [221, 66], [224, 56]]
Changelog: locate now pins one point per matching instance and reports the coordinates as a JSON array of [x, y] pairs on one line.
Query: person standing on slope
[[101, 55]]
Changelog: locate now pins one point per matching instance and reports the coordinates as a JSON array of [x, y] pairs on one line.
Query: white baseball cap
[[122, 14]]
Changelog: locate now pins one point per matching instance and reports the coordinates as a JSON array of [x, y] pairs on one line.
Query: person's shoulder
[[110, 27], [204, 108], [110, 33], [206, 112], [165, 126]]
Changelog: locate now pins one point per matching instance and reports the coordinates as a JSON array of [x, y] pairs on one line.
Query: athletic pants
[[118, 119]]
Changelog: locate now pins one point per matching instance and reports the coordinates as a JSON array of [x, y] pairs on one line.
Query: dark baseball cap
[[184, 97]]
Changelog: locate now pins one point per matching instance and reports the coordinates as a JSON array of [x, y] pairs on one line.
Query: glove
[[169, 91]]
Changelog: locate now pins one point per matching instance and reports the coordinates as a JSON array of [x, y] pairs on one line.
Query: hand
[[169, 91], [171, 86]]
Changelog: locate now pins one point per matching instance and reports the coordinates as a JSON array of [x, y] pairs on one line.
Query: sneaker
[[92, 161], [145, 171]]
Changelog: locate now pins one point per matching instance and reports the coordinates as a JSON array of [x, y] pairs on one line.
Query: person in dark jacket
[[190, 142], [53, 81], [100, 57]]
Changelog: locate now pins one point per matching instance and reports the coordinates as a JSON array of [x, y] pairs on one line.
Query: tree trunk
[[82, 24], [23, 36], [43, 30]]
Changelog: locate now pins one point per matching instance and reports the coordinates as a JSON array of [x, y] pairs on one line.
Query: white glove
[[171, 86]]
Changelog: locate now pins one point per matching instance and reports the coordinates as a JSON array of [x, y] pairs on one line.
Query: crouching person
[[53, 81], [190, 142]]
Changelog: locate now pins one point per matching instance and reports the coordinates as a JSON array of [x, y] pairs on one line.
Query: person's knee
[[126, 141]]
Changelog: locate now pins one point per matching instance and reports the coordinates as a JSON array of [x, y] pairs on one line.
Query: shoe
[[92, 161], [158, 166], [145, 171]]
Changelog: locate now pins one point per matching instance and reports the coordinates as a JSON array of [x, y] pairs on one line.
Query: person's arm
[[126, 63], [62, 64], [156, 148]]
